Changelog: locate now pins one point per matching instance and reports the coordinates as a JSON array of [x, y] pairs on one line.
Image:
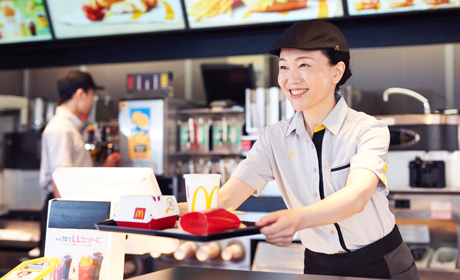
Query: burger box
[[147, 212], [89, 196]]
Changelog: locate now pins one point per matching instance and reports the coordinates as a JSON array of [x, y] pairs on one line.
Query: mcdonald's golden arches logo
[[291, 155], [208, 197], [139, 213]]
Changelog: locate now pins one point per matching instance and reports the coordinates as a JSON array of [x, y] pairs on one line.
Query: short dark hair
[[70, 82], [335, 57]]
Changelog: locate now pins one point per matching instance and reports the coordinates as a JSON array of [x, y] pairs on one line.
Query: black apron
[[387, 258]]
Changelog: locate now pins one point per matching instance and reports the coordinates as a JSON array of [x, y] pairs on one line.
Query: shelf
[[209, 153], [214, 110], [420, 191]]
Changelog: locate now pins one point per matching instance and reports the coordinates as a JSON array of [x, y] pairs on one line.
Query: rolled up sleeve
[[256, 170], [372, 148]]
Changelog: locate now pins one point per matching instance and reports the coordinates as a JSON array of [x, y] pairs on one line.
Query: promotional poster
[[82, 254]]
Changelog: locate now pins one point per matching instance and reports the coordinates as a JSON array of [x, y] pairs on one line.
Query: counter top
[[194, 273]]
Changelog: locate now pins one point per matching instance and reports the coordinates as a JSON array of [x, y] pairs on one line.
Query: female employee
[[329, 164]]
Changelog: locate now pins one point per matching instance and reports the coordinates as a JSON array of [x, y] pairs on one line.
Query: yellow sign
[[291, 154], [208, 197]]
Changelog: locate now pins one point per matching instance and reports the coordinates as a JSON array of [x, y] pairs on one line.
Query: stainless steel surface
[[442, 232], [214, 110], [190, 273], [156, 131], [408, 92], [37, 107], [416, 119], [18, 234]]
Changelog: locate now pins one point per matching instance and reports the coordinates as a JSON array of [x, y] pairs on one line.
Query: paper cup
[[202, 191]]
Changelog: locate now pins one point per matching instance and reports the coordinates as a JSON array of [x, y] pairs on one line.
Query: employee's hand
[[113, 160], [183, 208], [279, 227]]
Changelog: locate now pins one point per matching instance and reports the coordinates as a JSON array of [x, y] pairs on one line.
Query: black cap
[[70, 82], [311, 35]]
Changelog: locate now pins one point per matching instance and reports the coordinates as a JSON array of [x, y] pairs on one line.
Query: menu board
[[86, 18], [371, 7], [214, 13], [23, 21]]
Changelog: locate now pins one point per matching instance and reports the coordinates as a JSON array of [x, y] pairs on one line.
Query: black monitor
[[227, 81]]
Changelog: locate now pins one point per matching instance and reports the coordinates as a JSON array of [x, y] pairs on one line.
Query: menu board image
[[86, 18], [213, 13], [23, 21], [370, 7]]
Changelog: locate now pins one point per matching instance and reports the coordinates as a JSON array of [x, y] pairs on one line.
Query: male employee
[[62, 143]]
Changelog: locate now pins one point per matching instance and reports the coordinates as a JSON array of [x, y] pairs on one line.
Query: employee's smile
[[297, 92]]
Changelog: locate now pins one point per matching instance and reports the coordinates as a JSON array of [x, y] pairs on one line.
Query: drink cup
[[97, 258], [202, 191], [67, 261]]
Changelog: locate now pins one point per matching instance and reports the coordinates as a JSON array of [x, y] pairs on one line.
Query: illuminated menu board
[[86, 18], [371, 7], [23, 21], [213, 13]]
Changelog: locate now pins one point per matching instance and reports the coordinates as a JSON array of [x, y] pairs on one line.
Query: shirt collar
[[333, 121], [336, 117], [64, 113]]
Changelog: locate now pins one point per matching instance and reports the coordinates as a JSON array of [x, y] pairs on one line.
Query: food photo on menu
[[213, 13], [367, 7], [23, 275], [23, 21], [81, 18]]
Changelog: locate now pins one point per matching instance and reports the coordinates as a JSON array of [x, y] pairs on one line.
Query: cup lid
[[202, 175]]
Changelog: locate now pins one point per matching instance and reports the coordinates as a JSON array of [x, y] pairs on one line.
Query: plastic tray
[[111, 225]]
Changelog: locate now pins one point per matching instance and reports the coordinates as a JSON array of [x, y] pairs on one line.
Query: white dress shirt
[[62, 146]]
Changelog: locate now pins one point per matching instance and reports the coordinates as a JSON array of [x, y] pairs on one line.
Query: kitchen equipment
[[408, 92], [227, 82], [12, 102], [265, 106], [271, 258], [444, 258], [423, 132], [38, 109], [427, 174], [422, 255], [433, 137]]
